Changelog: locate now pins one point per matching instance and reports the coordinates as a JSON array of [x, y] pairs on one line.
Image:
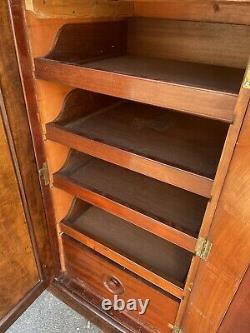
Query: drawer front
[[106, 280]]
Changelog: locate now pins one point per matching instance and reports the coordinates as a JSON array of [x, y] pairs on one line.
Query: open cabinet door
[[25, 260]]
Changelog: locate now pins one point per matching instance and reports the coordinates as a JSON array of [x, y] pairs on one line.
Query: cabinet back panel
[[235, 11], [209, 43]]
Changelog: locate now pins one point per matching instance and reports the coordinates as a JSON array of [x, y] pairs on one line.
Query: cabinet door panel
[[18, 271], [26, 264], [237, 318]]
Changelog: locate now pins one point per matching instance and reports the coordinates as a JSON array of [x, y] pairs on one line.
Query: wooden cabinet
[[139, 114]]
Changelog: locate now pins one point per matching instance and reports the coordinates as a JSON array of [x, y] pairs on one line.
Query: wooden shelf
[[175, 148], [166, 211], [205, 90], [152, 258], [111, 62]]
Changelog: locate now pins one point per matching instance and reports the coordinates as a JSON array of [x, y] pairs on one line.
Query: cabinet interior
[[137, 113]]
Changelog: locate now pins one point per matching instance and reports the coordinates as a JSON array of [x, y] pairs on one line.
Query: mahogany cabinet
[[140, 123]]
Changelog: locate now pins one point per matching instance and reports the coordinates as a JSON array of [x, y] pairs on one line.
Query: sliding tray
[[164, 210], [98, 60], [151, 257], [94, 277], [175, 148]]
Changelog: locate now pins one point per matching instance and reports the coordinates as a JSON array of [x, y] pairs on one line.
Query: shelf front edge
[[140, 220], [124, 262], [197, 101], [151, 168]]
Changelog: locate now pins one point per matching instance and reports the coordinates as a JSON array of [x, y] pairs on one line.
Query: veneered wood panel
[[218, 11], [14, 108], [237, 318], [230, 11], [40, 43], [212, 104], [158, 208], [78, 8], [125, 262], [97, 273], [233, 133], [171, 175], [156, 142], [219, 277], [18, 271], [201, 42], [51, 262]]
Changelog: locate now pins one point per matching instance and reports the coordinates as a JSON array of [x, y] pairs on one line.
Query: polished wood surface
[[21, 306], [237, 318], [174, 176], [130, 215], [155, 142], [209, 91], [26, 266], [157, 209], [195, 42], [155, 254], [211, 11], [50, 101], [207, 103], [26, 71], [140, 252], [96, 272], [223, 168], [235, 11], [217, 79], [158, 134], [81, 9], [16, 116], [17, 263], [69, 292], [130, 265], [218, 278], [103, 39], [218, 45]]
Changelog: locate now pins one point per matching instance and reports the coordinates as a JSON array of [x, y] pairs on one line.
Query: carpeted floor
[[49, 315]]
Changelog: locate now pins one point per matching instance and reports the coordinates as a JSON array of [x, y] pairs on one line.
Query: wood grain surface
[[237, 318], [223, 11], [18, 271], [96, 274], [218, 279]]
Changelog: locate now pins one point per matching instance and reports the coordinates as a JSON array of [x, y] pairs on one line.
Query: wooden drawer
[[105, 279]]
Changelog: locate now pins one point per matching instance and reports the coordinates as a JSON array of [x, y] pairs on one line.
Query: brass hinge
[[203, 248], [246, 80], [44, 173]]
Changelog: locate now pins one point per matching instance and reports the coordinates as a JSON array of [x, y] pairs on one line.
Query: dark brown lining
[[187, 142], [155, 254], [173, 206]]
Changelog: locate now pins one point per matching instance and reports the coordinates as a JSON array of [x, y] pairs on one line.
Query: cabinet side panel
[[219, 277]]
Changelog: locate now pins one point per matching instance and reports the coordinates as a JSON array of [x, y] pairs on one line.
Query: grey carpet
[[49, 315]]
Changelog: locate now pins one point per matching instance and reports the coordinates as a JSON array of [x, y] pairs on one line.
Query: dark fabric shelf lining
[[186, 142], [203, 76], [151, 252], [173, 206]]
